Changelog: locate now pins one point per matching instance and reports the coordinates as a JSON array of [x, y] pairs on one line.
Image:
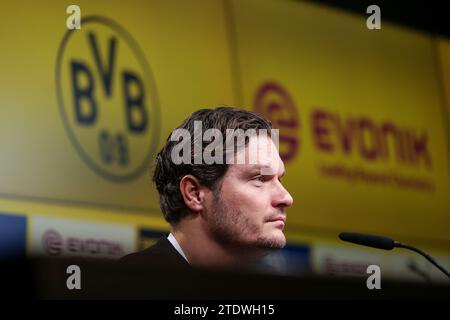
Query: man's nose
[[282, 198]]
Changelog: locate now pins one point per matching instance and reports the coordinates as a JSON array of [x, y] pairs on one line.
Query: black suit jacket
[[161, 254]]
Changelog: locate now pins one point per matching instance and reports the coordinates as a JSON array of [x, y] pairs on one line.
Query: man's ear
[[192, 192]]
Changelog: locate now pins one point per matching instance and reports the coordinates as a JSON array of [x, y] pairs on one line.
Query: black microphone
[[386, 244]]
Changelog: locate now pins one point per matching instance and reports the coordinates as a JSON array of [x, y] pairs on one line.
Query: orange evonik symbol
[[274, 102]]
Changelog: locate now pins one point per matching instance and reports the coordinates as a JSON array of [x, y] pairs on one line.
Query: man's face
[[248, 209]]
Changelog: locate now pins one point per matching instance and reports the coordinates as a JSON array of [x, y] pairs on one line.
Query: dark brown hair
[[167, 174]]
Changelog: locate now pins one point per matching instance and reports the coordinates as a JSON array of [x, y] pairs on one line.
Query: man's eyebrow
[[258, 167]]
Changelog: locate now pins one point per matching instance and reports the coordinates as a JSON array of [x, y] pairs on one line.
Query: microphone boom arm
[[386, 243], [424, 254]]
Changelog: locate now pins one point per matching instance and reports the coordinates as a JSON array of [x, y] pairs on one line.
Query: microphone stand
[[424, 254]]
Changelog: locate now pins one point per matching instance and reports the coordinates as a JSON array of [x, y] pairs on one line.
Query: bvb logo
[[107, 99], [275, 103]]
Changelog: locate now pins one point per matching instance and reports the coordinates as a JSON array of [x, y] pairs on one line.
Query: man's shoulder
[[160, 254]]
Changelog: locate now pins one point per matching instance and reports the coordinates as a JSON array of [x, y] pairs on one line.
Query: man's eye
[[260, 178]]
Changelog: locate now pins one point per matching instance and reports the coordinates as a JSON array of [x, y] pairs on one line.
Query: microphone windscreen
[[368, 240]]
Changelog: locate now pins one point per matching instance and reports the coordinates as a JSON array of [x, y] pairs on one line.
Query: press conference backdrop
[[363, 118]]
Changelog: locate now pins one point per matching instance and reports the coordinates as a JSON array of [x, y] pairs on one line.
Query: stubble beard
[[231, 227]]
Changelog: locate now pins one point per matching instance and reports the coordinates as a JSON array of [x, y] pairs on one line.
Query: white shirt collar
[[176, 245]]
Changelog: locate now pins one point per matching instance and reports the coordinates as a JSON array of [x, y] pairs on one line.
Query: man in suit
[[225, 202]]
